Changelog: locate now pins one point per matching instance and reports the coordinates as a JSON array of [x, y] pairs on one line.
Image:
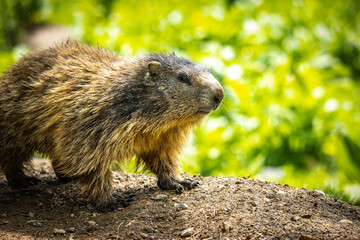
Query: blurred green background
[[290, 70]]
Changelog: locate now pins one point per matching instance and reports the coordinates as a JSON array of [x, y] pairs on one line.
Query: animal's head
[[190, 89]]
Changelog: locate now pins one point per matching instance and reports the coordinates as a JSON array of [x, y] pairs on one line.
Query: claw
[[189, 183], [179, 187]]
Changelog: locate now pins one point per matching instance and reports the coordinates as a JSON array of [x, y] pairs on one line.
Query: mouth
[[204, 111]]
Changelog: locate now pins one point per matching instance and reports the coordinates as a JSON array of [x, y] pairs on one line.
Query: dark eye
[[184, 79]]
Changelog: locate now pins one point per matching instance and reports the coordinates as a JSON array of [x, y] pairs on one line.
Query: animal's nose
[[218, 96]]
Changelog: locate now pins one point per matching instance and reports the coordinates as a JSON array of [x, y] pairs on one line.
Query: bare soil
[[221, 208]]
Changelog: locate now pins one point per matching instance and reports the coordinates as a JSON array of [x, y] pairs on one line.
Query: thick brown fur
[[87, 108]]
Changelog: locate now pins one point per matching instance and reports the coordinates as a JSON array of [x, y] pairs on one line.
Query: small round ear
[[153, 68]]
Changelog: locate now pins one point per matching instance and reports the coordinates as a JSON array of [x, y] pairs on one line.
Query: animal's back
[[50, 84]]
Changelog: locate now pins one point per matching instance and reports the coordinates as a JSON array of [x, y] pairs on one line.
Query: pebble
[[295, 218], [187, 232], [59, 231], [31, 215], [91, 226], [144, 235], [35, 223], [149, 229], [346, 221], [3, 215], [72, 215], [254, 203], [307, 237], [306, 216], [226, 226], [321, 192], [71, 229], [181, 206], [159, 197]]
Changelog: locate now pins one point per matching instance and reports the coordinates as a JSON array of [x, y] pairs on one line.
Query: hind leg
[[97, 186], [12, 164], [63, 178]]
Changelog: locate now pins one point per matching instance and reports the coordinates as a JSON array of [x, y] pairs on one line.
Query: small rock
[[281, 192], [71, 229], [226, 226], [144, 235], [31, 215], [187, 232], [181, 206], [149, 229], [92, 223], [59, 231], [159, 197], [346, 221], [72, 215], [35, 223], [318, 191], [306, 216], [307, 237], [254, 203], [3, 215], [91, 226], [295, 218]]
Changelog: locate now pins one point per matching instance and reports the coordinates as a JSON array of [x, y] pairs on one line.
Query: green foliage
[[290, 70]]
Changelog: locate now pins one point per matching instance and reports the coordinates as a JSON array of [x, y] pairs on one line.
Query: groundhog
[[86, 108]]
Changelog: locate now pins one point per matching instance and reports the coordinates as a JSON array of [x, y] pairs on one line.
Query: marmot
[[85, 108]]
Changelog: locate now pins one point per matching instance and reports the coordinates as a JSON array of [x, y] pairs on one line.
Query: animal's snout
[[218, 96]]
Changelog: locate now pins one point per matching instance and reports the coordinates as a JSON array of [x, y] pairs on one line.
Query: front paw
[[169, 184], [188, 183]]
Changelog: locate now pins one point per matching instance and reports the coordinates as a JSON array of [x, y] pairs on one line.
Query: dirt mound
[[221, 208]]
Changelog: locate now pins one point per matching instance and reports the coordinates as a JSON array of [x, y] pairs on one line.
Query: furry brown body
[[86, 108]]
